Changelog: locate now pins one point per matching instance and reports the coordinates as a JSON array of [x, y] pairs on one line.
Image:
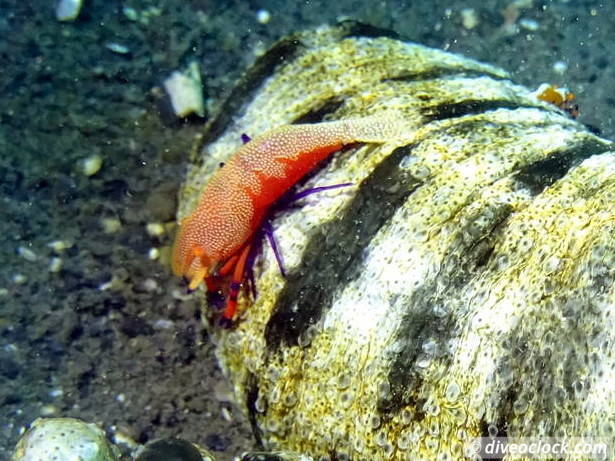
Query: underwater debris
[[185, 90], [560, 97]]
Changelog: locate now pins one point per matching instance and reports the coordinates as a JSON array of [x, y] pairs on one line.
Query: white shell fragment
[[184, 89], [68, 10]]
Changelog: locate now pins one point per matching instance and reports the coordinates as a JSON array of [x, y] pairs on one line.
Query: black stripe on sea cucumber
[[450, 110], [351, 28], [264, 456], [251, 397], [549, 368], [469, 256], [425, 320], [437, 73], [333, 256], [541, 174], [280, 53], [318, 114]]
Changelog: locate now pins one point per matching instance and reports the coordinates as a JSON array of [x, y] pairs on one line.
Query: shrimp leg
[[228, 266], [235, 286]]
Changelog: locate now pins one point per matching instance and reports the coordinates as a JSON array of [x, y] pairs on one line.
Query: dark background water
[[107, 337]]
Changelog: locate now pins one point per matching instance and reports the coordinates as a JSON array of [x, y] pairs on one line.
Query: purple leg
[[315, 190], [250, 266], [267, 229], [252, 283], [245, 138], [274, 246]]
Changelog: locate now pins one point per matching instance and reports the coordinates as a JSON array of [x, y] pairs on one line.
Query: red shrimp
[[215, 240]]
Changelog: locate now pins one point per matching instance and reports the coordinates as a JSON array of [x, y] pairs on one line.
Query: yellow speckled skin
[[463, 286]]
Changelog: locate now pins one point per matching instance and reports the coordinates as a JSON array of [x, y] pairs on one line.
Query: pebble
[[55, 264], [48, 410], [91, 165], [226, 414], [150, 284], [560, 67], [105, 286], [27, 254], [529, 24], [117, 48], [469, 18], [59, 245], [123, 438], [163, 324], [154, 229], [68, 10], [55, 393], [130, 13], [111, 225], [263, 16]]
